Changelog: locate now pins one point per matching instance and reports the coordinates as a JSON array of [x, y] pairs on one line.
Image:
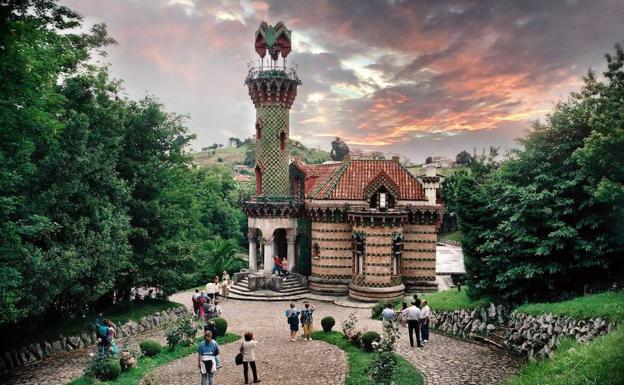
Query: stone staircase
[[291, 290]]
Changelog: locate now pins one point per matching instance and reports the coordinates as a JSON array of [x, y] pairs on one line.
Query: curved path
[[443, 361]]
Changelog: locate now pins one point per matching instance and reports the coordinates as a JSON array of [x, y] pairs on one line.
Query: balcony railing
[[272, 73]]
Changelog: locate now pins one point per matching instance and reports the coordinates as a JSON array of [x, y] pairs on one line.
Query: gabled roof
[[351, 180]]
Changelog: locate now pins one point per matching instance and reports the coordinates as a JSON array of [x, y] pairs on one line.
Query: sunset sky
[[418, 78]]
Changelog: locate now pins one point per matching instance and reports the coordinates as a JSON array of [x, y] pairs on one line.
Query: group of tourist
[[415, 317], [280, 266], [206, 303], [106, 336], [305, 316]]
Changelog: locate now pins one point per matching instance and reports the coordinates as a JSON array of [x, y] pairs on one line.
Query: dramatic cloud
[[416, 77]]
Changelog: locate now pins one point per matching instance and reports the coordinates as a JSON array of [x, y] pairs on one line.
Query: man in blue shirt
[[388, 314], [206, 358]]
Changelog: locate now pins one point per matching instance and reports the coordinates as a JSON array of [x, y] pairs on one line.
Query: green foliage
[[382, 368], [359, 360], [147, 364], [339, 150], [598, 362], [221, 325], [103, 368], [463, 158], [539, 226], [182, 332], [220, 257], [98, 195], [608, 306], [150, 348], [368, 338], [328, 323]]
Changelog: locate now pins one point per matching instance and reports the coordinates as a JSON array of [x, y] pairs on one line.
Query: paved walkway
[[444, 360]]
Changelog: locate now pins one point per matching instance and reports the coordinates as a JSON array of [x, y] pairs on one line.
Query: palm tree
[[221, 255]]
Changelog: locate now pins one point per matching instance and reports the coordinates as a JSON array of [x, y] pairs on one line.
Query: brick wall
[[419, 252], [334, 246]]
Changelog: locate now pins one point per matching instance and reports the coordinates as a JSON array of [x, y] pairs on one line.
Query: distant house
[[241, 178], [438, 162], [241, 168]]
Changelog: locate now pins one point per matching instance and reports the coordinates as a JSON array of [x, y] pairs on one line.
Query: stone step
[[293, 290]]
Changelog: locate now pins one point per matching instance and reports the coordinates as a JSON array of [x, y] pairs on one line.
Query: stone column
[[291, 252], [268, 254], [253, 260]]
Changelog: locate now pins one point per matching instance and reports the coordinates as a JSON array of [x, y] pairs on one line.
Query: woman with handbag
[[247, 357]]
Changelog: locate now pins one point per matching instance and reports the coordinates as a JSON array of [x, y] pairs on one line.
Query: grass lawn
[[359, 360], [147, 364], [600, 362], [608, 306], [450, 300], [30, 332], [454, 236]]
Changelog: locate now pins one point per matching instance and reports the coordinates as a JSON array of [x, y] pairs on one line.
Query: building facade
[[362, 227]]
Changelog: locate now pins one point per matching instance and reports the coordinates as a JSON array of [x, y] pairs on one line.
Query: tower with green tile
[[272, 88], [272, 212]]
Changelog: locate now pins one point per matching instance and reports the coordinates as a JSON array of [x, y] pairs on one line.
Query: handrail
[[262, 73]]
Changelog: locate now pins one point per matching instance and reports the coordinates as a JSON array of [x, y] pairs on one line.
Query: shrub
[[150, 348], [368, 338], [103, 368], [182, 332], [377, 309], [381, 369], [328, 323], [221, 325]]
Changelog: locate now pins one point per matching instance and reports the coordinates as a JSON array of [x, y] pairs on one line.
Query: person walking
[[201, 310], [225, 285], [206, 358], [101, 329], [388, 315], [402, 315], [292, 317], [248, 348], [413, 315], [307, 320], [195, 303], [211, 289], [424, 323]]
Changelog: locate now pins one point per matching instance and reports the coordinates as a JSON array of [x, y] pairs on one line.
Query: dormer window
[[383, 204], [382, 200]]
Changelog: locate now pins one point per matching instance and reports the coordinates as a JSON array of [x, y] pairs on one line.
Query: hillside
[[234, 156], [445, 171]]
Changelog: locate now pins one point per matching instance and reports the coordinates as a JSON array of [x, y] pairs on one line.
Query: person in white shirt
[[211, 290], [413, 316], [424, 323], [388, 314]]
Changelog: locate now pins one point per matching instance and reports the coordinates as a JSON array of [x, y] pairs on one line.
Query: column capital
[[267, 241], [291, 239], [252, 238]]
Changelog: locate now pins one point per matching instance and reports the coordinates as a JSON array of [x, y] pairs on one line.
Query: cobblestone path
[[63, 368], [443, 361]]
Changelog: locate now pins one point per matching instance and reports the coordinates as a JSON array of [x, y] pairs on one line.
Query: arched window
[[282, 141], [358, 249], [258, 181], [397, 252], [259, 129]]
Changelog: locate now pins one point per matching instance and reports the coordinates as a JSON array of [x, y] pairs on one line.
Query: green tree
[[463, 158], [339, 150]]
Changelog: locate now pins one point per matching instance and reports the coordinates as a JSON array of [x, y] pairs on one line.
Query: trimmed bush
[[328, 323], [103, 368], [368, 338], [377, 309], [150, 348], [221, 325]]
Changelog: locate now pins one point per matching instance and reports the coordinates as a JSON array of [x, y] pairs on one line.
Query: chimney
[[396, 159]]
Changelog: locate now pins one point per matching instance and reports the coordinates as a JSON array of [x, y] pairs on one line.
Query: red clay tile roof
[[350, 179], [315, 173]]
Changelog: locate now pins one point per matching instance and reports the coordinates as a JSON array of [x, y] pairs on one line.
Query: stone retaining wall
[[40, 350], [523, 334]]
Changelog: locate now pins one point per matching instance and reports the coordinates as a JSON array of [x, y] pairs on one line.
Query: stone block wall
[[38, 351], [525, 335]]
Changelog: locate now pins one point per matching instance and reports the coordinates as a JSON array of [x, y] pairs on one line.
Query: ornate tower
[[272, 89], [272, 213]]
